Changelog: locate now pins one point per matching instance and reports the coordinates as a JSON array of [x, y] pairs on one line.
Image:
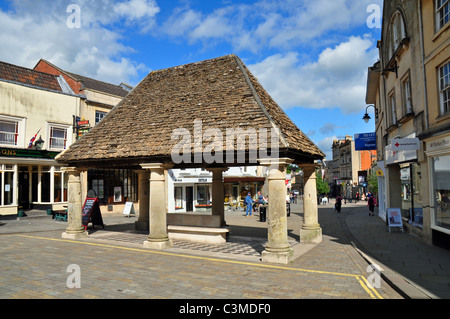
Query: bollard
[[262, 213]]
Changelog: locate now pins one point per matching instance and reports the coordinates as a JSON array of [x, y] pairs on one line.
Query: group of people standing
[[248, 202], [371, 202]]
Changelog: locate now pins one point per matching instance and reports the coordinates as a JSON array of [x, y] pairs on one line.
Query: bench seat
[[206, 235]]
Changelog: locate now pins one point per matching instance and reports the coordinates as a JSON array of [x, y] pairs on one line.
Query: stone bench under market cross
[[206, 235]]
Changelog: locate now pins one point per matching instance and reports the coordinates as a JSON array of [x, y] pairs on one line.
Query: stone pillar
[[277, 249], [218, 193], [144, 184], [311, 232], [158, 237], [75, 229]]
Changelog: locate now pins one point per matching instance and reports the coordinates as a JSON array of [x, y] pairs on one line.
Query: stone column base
[[75, 235], [139, 225], [311, 236], [284, 257], [158, 245]]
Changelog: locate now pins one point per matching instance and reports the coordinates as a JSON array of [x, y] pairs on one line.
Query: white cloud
[[336, 79], [325, 146], [269, 23], [137, 9], [31, 31]]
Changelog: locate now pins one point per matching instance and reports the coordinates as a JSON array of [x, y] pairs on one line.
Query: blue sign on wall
[[365, 141]]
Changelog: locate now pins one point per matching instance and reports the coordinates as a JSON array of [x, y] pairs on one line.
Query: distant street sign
[[365, 141]]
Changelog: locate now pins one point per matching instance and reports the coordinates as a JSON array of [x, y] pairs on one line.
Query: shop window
[[60, 181], [113, 186], [203, 195], [410, 176], [178, 193], [441, 189], [8, 188], [7, 184], [444, 88]]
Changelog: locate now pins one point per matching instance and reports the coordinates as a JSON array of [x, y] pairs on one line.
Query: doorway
[[189, 198], [24, 190]]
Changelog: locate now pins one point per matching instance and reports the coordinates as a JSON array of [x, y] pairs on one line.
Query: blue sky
[[311, 56]]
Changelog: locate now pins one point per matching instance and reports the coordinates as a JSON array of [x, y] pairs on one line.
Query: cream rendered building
[[410, 89], [112, 186], [33, 104]]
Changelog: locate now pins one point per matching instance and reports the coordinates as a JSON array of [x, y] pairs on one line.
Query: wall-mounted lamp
[[366, 116], [39, 143]]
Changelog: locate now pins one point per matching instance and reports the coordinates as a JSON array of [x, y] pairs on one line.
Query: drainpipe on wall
[[422, 50]]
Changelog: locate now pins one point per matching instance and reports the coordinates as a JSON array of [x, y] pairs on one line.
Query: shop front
[[190, 191], [438, 153], [404, 185], [31, 179]]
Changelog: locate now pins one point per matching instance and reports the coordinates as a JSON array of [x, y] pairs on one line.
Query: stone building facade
[[409, 89]]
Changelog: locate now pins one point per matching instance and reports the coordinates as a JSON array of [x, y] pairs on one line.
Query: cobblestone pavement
[[112, 263]]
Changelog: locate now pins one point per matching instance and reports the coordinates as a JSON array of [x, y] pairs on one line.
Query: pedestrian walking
[[249, 203], [371, 204], [338, 204]]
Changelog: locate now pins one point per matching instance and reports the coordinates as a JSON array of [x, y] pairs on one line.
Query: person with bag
[[338, 204]]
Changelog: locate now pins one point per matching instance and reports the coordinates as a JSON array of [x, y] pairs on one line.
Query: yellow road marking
[[362, 281]]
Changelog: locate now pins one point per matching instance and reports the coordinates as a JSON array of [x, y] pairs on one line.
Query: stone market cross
[[221, 94]]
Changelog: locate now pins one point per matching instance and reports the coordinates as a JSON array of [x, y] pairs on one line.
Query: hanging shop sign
[[365, 141], [405, 144]]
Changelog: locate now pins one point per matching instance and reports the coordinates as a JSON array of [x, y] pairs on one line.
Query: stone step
[[35, 213]]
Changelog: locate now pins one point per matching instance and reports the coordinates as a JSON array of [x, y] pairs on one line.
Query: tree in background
[[322, 187], [372, 180]]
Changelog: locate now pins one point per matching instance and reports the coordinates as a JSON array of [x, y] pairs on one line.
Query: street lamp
[[366, 116]]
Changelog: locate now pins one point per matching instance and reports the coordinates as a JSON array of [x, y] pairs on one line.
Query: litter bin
[[288, 209], [262, 213]]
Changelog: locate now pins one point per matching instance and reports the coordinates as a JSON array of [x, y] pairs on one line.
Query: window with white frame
[[58, 137], [397, 32], [99, 116], [9, 132], [8, 184], [392, 108], [444, 88], [407, 99], [442, 13]]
